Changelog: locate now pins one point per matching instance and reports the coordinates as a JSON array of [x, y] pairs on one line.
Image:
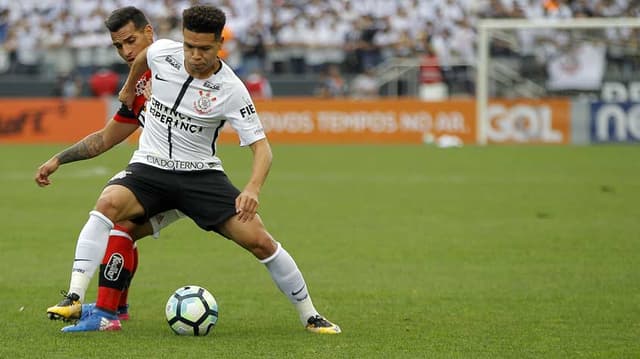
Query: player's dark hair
[[121, 17], [204, 19]]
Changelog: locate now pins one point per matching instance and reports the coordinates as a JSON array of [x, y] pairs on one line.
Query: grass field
[[417, 252]]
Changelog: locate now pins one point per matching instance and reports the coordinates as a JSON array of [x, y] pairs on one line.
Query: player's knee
[[263, 246], [108, 206]]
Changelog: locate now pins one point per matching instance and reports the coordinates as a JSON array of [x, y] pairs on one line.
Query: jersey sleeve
[[125, 115], [243, 117], [160, 48]]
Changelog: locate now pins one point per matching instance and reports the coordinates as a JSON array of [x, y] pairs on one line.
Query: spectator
[[168, 29], [300, 36], [230, 52], [258, 85], [24, 47], [365, 85], [369, 53], [432, 86], [292, 38], [316, 38], [332, 84], [253, 49], [351, 47], [5, 61], [277, 55], [68, 86], [104, 83], [4, 25], [58, 56]]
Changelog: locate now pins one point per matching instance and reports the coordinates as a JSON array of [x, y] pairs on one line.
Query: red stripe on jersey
[[139, 101]]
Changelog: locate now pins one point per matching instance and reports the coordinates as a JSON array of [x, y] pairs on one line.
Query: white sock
[[285, 273], [90, 248]]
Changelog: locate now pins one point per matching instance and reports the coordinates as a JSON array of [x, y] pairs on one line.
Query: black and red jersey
[[136, 115]]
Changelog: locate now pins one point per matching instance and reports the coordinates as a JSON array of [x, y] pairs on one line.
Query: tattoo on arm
[[89, 147]]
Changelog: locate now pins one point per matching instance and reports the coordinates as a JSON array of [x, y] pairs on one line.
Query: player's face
[[201, 52], [129, 41]]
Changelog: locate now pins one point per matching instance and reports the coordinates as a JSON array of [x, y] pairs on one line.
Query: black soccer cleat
[[318, 324]]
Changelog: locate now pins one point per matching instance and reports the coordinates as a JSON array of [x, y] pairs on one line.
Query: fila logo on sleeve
[[247, 111]]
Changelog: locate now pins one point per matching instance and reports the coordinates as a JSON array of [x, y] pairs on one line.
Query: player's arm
[[247, 202], [92, 145], [128, 92]]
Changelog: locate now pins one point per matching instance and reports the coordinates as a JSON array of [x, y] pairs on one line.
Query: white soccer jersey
[[185, 115]]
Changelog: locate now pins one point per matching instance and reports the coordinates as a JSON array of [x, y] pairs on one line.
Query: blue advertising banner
[[614, 122]]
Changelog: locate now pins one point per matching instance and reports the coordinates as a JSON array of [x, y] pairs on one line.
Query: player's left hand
[[247, 205]]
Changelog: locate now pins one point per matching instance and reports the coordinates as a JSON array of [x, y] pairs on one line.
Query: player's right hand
[[45, 170], [247, 205]]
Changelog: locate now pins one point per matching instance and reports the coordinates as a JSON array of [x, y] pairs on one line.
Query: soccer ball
[[191, 310]]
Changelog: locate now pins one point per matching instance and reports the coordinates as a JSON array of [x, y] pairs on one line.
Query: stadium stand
[[294, 42]]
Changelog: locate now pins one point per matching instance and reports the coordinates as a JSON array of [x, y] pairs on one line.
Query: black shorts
[[207, 197]]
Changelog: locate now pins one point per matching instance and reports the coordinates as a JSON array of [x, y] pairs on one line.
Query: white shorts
[[162, 220]]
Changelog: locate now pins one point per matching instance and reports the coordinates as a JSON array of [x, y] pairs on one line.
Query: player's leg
[[209, 199], [116, 269], [117, 272], [118, 265], [113, 289], [123, 303], [114, 202], [283, 269]]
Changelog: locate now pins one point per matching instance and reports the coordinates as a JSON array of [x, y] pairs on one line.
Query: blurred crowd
[[59, 37]]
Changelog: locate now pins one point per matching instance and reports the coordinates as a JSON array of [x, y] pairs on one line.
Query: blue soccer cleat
[[96, 320], [123, 311], [86, 310]]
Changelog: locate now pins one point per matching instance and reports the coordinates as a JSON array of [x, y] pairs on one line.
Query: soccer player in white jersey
[[176, 164], [130, 33]]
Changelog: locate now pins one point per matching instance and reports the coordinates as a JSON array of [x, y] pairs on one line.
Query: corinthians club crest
[[204, 104]]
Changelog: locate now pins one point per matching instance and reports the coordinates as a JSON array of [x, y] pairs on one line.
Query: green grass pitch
[[417, 252]]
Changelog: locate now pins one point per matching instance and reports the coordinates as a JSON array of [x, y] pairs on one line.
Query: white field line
[[399, 179], [61, 173]]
